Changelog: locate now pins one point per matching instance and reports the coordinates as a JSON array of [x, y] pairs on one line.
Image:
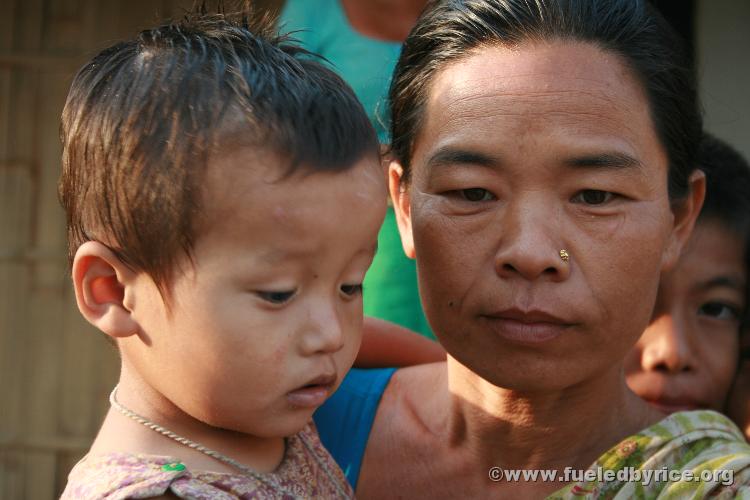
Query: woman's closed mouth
[[531, 326]]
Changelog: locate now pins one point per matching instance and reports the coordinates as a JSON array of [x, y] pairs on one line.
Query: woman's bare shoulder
[[406, 429], [409, 382]]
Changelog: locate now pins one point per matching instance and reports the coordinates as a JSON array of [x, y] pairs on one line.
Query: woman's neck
[[545, 430]]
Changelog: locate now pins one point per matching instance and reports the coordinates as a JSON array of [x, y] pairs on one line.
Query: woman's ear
[[100, 279], [685, 212], [400, 196]]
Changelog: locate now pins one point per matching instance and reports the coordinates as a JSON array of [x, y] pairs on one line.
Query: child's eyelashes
[[719, 310], [352, 290], [276, 298], [282, 297]]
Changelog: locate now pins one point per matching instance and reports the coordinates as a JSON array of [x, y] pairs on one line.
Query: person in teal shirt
[[365, 56]]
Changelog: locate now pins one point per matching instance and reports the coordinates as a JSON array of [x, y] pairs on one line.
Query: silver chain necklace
[[269, 479]]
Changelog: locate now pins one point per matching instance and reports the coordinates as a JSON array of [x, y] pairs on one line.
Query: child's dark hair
[[143, 116], [727, 195]]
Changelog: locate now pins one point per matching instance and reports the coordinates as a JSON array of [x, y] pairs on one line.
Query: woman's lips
[[531, 327], [312, 394], [527, 333]]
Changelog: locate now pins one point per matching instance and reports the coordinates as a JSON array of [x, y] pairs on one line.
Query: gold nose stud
[[564, 255]]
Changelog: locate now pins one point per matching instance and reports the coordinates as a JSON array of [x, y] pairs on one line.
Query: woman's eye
[[719, 310], [276, 297], [593, 197], [352, 290], [476, 194]]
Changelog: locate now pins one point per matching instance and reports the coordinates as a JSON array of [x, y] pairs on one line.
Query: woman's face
[[687, 357], [523, 153]]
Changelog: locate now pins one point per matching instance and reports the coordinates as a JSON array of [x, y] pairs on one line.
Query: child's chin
[[282, 426]]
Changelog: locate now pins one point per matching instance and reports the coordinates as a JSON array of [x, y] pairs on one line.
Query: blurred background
[[55, 370]]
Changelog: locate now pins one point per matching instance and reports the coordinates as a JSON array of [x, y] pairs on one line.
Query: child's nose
[[325, 332], [668, 348]]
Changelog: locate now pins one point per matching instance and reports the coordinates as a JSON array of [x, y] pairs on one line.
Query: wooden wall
[[55, 370]]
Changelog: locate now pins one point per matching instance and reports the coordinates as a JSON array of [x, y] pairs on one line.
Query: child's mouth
[[313, 394]]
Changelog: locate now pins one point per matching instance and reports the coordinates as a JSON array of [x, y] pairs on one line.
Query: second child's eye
[[276, 297], [476, 194], [593, 197], [352, 290], [719, 310]]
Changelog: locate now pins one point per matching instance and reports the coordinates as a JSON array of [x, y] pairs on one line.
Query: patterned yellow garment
[[307, 471], [695, 454]]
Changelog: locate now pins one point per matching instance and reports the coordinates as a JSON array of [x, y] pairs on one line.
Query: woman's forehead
[[569, 91], [565, 75]]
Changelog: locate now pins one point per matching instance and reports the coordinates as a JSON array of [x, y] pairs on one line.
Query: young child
[[223, 196]]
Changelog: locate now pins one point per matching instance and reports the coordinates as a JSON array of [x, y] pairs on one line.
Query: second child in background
[[688, 357]]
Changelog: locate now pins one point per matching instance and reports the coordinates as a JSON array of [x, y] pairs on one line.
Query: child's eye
[[476, 194], [352, 290], [593, 197], [276, 297], [719, 310]]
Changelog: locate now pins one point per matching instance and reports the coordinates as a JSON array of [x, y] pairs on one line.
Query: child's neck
[[122, 434]]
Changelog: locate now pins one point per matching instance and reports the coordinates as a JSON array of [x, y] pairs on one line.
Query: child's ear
[[400, 196], [100, 279], [685, 214]]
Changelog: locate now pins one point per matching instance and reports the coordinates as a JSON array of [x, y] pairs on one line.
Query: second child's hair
[[727, 184], [143, 117], [727, 196]]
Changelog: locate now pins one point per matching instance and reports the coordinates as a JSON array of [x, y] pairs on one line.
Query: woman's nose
[[666, 347], [531, 247]]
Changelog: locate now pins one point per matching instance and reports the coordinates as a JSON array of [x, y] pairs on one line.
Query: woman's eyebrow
[[613, 160], [448, 156]]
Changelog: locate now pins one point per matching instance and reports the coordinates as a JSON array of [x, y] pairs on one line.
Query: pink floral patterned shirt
[[307, 471]]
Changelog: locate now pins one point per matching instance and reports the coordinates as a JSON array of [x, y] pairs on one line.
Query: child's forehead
[[713, 230], [233, 180], [714, 250], [253, 185], [252, 211]]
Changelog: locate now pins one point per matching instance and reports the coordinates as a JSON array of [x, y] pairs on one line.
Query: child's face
[[687, 357], [267, 322]]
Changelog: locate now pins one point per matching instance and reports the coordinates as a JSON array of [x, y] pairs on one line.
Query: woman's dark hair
[[449, 30]]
